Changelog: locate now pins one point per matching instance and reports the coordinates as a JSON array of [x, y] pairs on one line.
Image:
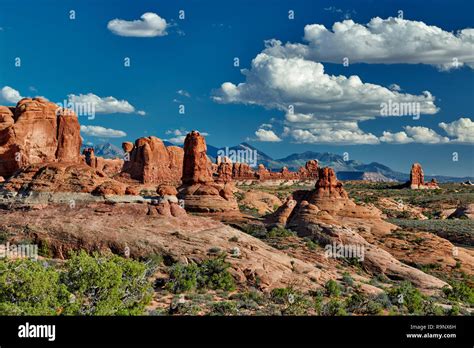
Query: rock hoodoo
[[417, 179], [199, 191], [326, 214], [37, 131]]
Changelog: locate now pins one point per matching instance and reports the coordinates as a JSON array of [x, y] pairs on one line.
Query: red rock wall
[[150, 161], [34, 132]]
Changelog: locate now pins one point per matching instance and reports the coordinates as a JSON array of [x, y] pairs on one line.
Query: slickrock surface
[[148, 229]]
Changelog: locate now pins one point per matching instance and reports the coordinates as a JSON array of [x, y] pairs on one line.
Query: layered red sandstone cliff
[[150, 161], [37, 131]]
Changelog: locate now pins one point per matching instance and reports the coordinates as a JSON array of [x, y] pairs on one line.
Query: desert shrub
[[455, 310], [179, 307], [430, 308], [87, 285], [294, 301], [257, 231], [249, 300], [279, 232], [183, 278], [407, 296], [210, 274], [384, 300], [459, 291], [310, 244], [347, 279], [281, 295], [106, 285], [332, 288], [213, 274], [333, 308], [224, 308], [28, 287]]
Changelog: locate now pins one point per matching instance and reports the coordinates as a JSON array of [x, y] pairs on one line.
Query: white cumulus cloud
[[98, 131], [149, 25], [383, 41], [105, 105], [462, 130], [415, 134], [318, 107], [266, 135], [10, 95]]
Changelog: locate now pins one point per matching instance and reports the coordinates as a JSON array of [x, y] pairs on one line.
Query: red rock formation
[[309, 171], [326, 214], [63, 177], [199, 191], [37, 131], [328, 185], [242, 171], [417, 179], [150, 161], [110, 167], [196, 166], [224, 170]]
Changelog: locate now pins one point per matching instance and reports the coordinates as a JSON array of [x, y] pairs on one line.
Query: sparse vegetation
[[210, 274]]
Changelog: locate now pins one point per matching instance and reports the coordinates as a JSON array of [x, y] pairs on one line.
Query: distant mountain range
[[346, 170], [106, 150]]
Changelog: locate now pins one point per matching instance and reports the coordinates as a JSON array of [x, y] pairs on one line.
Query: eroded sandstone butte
[[150, 161], [36, 131], [326, 214]]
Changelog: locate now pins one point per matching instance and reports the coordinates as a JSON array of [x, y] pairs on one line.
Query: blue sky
[[61, 57]]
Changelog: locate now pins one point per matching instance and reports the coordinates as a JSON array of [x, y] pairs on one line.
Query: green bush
[[224, 308], [295, 302], [88, 285], [332, 288], [460, 291], [210, 274], [347, 279], [333, 308], [279, 232], [183, 278], [106, 285], [281, 295], [214, 275], [30, 288], [407, 296]]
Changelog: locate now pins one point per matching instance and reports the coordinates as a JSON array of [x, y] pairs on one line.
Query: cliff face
[[150, 161], [37, 131]]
